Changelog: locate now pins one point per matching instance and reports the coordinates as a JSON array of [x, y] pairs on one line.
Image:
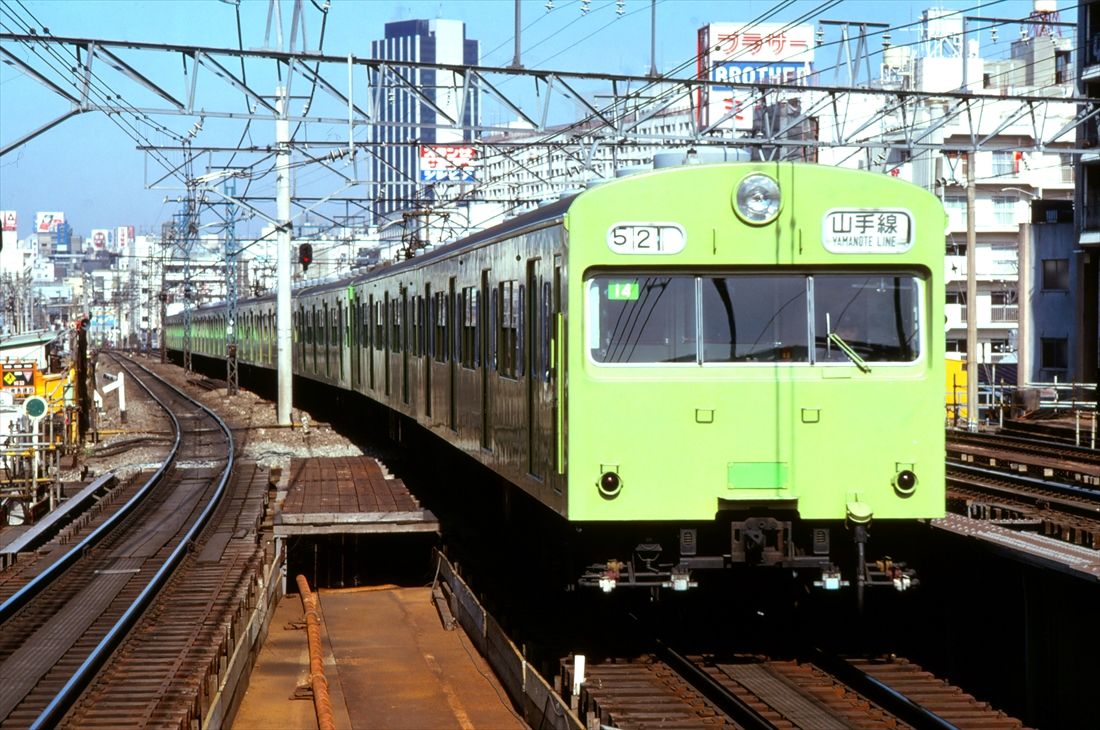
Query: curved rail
[[25, 594], [69, 693]]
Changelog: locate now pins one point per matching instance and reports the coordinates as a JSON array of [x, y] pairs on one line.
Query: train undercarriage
[[808, 551]]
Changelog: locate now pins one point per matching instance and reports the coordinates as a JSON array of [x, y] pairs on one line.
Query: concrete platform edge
[[540, 705], [226, 701]]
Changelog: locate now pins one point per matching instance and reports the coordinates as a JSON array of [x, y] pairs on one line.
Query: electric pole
[[971, 302], [285, 376]]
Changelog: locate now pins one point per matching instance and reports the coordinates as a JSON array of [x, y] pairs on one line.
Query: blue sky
[[89, 169]]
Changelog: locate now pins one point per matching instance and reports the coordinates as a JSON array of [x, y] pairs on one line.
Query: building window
[[1056, 274], [1003, 306], [956, 246], [957, 298], [955, 203], [1004, 210], [1004, 163], [1055, 353], [955, 344], [1066, 167]]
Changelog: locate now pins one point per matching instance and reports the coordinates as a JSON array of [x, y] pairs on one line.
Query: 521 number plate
[[646, 238]]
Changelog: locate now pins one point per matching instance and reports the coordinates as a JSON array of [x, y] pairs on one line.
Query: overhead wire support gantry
[[633, 99]]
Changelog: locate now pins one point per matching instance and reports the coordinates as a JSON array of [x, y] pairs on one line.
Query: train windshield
[[757, 317]]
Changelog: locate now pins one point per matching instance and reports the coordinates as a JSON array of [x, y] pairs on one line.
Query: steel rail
[[1089, 495], [25, 594], [72, 689], [737, 709], [880, 693]]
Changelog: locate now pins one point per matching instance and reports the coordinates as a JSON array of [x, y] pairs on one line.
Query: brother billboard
[[740, 53]]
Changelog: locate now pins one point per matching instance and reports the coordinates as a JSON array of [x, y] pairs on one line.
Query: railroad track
[[758, 692], [60, 628], [1026, 455], [1065, 512]]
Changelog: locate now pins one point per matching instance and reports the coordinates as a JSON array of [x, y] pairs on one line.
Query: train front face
[[754, 345]]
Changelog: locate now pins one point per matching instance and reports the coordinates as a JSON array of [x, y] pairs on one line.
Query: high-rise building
[[415, 101]]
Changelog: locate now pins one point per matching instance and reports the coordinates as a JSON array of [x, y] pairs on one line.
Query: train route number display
[[646, 238]]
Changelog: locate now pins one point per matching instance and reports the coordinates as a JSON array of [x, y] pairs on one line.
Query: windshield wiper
[[847, 350]]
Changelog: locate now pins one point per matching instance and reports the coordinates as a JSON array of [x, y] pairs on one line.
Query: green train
[[717, 364]]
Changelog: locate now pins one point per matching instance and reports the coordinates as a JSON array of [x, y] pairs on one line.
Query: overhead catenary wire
[[252, 174]]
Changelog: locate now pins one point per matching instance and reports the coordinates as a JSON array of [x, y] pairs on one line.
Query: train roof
[[530, 220]]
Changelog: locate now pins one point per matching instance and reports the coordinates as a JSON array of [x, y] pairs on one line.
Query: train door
[[532, 329], [484, 326], [372, 314], [387, 305], [341, 340], [454, 333], [326, 314], [313, 339], [428, 327], [409, 337], [354, 318], [557, 368]]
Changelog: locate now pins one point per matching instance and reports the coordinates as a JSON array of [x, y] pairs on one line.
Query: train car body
[[741, 358]]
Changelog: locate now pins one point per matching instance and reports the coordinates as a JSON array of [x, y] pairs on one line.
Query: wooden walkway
[[347, 495]]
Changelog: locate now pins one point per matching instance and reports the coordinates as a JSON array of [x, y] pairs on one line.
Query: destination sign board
[[867, 230]]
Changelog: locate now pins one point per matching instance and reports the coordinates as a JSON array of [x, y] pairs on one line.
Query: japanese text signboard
[[867, 230], [447, 163], [760, 53]]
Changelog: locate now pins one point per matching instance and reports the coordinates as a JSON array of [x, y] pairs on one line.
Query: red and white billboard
[[101, 238], [124, 237], [48, 222], [447, 163], [9, 220]]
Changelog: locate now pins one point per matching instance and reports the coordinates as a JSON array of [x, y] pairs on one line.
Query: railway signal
[[305, 255]]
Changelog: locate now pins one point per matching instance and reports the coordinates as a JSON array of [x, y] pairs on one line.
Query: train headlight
[[610, 484], [905, 482], [757, 199]]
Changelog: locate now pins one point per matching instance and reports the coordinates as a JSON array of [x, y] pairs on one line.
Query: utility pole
[[971, 302], [516, 63], [653, 38], [231, 281], [284, 376], [1023, 297]]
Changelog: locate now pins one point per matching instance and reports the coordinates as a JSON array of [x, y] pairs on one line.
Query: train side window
[[395, 326], [544, 330], [442, 351], [379, 326], [415, 345], [338, 325], [509, 322], [469, 326], [519, 310], [363, 324]]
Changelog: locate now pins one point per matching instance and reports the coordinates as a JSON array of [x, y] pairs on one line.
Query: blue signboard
[[776, 72]]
